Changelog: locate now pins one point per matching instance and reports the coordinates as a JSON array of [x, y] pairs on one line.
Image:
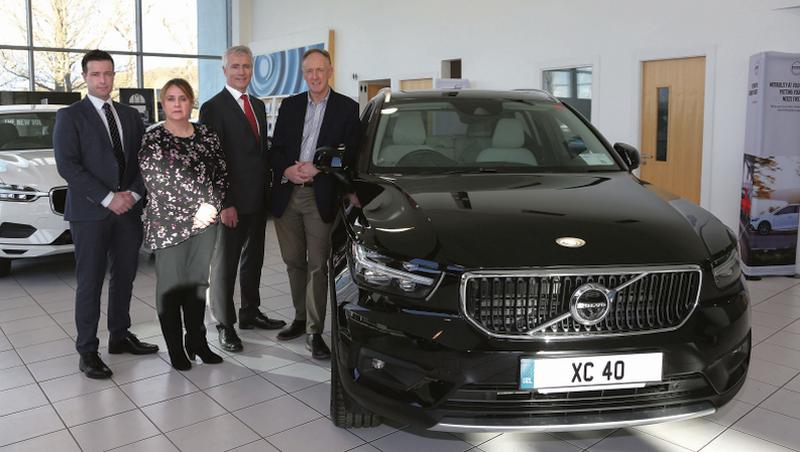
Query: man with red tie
[[240, 122]]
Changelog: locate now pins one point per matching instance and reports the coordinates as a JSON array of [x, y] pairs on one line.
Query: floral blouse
[[180, 174]]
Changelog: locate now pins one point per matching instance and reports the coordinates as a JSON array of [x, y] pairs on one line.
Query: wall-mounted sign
[[143, 100]]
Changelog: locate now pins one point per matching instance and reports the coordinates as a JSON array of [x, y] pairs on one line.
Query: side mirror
[[329, 160], [629, 154]]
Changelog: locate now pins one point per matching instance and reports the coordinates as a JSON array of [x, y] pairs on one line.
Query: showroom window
[[571, 85], [42, 42]]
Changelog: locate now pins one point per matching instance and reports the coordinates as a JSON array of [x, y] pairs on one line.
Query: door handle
[[647, 156]]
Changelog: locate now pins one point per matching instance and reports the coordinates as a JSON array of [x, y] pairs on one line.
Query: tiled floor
[[275, 397]]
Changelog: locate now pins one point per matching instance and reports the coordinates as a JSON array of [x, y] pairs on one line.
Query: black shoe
[[260, 321], [228, 339], [296, 329], [131, 344], [319, 350], [203, 351], [94, 367]]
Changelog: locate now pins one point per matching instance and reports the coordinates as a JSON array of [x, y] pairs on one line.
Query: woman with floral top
[[184, 171]]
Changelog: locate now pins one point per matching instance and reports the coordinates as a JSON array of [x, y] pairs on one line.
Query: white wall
[[504, 44]]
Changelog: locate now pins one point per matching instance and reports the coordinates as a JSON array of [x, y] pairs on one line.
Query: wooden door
[[416, 83], [672, 124], [373, 88]]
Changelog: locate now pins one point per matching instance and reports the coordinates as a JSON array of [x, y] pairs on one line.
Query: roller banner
[[770, 192]]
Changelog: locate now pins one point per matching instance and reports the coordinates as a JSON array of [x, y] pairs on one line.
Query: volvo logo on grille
[[590, 303]]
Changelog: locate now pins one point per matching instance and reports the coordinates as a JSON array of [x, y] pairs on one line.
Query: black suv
[[503, 271]]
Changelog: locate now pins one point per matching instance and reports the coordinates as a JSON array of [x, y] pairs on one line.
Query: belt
[[305, 184]]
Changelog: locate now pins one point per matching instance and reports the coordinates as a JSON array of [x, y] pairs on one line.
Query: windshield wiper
[[471, 171]]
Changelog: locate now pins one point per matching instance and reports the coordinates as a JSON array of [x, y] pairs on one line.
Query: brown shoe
[[296, 329]]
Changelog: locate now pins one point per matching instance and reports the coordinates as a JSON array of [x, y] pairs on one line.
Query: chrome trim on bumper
[[576, 423]]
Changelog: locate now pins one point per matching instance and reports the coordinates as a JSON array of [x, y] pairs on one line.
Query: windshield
[[26, 130], [427, 135]]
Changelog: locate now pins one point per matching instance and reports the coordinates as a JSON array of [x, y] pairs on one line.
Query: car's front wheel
[[346, 412], [5, 266], [764, 228]]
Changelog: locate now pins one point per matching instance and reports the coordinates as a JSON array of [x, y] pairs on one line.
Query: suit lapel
[[127, 132], [302, 121], [330, 109], [261, 118], [93, 116], [233, 106]]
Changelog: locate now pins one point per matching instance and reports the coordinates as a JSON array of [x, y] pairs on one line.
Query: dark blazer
[[248, 163], [85, 159], [340, 125]]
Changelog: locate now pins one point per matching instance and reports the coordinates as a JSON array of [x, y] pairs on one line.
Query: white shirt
[[98, 105], [238, 96], [312, 124]]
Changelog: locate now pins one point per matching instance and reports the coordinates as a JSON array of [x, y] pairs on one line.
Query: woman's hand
[[206, 215]]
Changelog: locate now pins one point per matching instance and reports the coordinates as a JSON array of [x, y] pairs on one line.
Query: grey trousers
[[304, 240], [238, 249]]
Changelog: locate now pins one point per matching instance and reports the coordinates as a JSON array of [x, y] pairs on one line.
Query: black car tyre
[[5, 266], [764, 228], [345, 412]]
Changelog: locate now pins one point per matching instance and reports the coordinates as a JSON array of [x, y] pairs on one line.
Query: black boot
[[196, 343], [174, 338], [169, 317]]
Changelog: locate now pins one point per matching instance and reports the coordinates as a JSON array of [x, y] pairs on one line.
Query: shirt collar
[[324, 101], [98, 103], [234, 92]]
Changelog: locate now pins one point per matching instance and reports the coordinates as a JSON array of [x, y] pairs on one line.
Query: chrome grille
[[58, 199], [520, 304]]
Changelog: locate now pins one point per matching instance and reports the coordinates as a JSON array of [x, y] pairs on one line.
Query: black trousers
[[111, 244], [181, 282], [240, 248]]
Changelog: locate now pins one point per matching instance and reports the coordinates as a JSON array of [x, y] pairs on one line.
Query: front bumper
[[436, 371], [49, 231]]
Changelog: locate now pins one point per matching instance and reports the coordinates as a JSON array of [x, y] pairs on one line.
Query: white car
[[783, 219], [32, 194]]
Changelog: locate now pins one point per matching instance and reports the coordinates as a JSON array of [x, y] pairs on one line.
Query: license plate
[[588, 373]]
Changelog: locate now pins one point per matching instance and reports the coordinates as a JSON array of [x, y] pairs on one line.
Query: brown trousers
[[304, 240]]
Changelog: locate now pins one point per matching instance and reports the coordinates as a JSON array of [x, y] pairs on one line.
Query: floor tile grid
[[282, 345], [38, 383], [754, 305], [762, 341]]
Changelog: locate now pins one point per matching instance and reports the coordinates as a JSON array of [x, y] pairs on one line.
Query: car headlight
[[19, 193], [727, 269], [413, 279]]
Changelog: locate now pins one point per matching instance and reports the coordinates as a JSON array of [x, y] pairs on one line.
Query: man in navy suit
[[240, 121], [96, 142], [303, 199]]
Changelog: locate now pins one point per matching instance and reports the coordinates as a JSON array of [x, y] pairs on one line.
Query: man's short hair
[[322, 52], [241, 50], [95, 55]]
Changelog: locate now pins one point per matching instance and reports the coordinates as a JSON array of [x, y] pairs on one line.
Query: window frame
[[139, 53]]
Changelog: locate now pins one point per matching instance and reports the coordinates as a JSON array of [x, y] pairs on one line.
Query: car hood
[[505, 221], [33, 168]]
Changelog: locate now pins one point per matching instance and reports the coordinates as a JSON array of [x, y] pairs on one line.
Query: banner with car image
[[770, 193]]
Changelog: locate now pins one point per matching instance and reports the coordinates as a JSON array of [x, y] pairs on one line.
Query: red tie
[[251, 117]]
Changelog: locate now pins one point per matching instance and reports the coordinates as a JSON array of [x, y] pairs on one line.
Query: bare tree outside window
[[68, 24]]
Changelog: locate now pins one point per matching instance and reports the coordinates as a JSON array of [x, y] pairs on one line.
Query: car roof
[[527, 94], [26, 108]]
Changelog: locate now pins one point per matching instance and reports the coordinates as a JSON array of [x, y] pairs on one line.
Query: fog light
[[407, 285], [378, 363]]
